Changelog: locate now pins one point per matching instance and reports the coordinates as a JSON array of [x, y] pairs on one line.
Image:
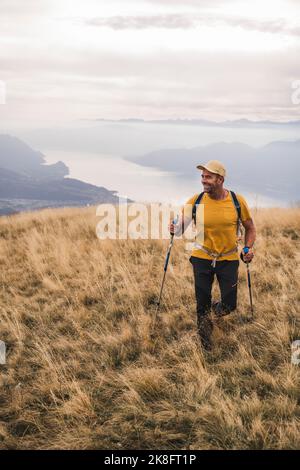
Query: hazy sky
[[64, 60]]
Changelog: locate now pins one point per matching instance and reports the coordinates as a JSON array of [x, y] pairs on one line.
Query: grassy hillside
[[83, 370]]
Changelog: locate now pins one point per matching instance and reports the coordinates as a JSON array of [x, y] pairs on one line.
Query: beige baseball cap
[[214, 166]]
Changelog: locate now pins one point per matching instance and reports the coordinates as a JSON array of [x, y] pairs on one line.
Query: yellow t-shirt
[[220, 224]]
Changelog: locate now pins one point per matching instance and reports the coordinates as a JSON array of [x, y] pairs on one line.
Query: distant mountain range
[[27, 183], [238, 123], [272, 170]]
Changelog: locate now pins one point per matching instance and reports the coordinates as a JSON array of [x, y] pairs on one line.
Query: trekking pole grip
[[244, 251]]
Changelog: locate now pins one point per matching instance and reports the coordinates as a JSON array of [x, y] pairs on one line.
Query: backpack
[[236, 205]]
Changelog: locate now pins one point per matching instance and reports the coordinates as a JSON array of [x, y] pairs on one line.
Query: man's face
[[211, 181]]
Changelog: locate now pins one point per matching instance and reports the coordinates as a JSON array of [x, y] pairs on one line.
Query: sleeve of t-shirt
[[245, 211]]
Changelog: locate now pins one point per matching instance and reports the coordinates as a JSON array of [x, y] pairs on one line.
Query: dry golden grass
[[83, 370]]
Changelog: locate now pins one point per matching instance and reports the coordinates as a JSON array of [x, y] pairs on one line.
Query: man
[[218, 255]]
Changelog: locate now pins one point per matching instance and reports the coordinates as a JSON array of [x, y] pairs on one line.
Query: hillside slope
[[27, 183], [83, 370]]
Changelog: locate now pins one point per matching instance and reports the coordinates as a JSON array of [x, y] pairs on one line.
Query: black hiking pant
[[227, 276]]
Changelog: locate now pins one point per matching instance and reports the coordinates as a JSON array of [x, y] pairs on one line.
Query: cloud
[[182, 84], [187, 65], [202, 3], [188, 21], [28, 7], [279, 26], [175, 21]]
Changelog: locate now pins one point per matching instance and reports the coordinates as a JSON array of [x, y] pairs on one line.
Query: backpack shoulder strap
[[236, 204], [194, 210], [234, 199]]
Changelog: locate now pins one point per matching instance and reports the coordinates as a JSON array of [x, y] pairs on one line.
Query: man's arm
[[250, 236]]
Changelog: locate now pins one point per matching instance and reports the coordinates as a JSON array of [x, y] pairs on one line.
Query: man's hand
[[247, 254], [173, 226]]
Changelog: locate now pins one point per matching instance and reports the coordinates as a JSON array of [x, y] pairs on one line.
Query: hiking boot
[[216, 307], [218, 310], [205, 327], [206, 344]]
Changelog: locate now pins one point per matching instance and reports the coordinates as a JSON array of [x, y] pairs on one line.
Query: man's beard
[[207, 189]]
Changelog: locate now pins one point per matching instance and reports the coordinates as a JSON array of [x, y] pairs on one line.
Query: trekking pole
[[165, 270], [250, 291], [246, 249]]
